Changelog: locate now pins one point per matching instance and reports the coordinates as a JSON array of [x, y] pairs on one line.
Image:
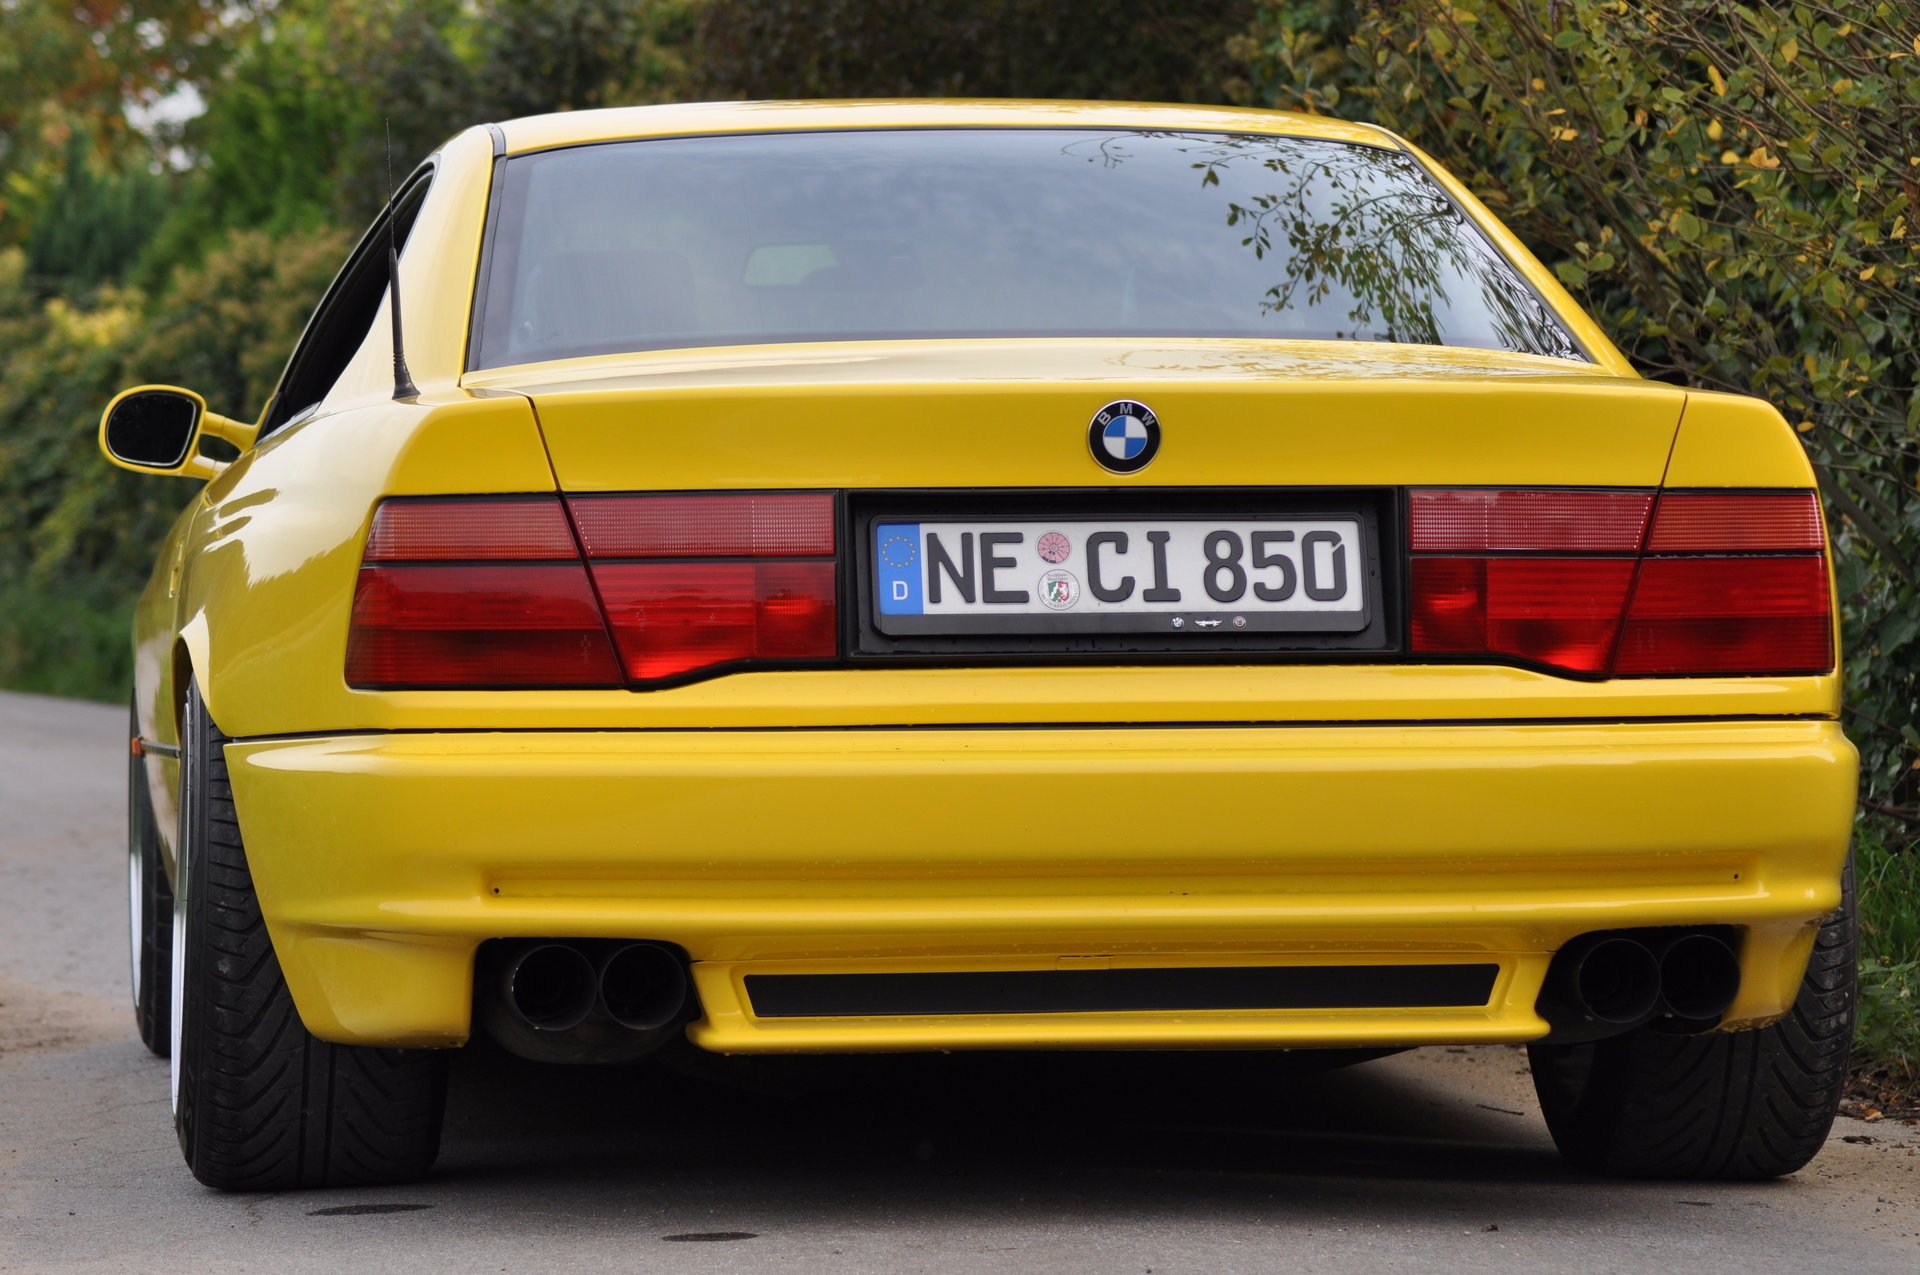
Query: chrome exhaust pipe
[[550, 987], [642, 986], [1699, 977], [1603, 981]]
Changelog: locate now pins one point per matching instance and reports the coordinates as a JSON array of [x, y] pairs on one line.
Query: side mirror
[[156, 429]]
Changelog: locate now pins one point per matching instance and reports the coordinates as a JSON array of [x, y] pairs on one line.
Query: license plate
[[1174, 575]]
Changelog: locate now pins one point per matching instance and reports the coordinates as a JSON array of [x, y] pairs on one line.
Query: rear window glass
[[751, 239]]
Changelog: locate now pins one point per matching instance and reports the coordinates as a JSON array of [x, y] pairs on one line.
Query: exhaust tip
[[643, 986], [1617, 981], [551, 987], [1699, 977]]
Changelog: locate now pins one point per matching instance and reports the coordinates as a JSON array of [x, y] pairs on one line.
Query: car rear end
[[882, 686]]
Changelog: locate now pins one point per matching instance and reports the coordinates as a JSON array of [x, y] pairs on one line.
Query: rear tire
[[149, 912], [260, 1104], [1723, 1105]]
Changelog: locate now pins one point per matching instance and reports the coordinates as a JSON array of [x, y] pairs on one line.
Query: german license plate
[[1175, 575]]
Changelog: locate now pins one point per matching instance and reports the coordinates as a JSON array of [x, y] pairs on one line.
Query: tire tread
[[265, 1105], [1722, 1105]]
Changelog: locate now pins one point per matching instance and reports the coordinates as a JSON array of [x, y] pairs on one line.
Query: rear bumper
[[383, 860]]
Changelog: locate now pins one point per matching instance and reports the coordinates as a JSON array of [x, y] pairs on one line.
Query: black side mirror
[[152, 428]]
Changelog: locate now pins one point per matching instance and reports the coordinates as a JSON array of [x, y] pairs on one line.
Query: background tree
[[1125, 50], [1732, 188]]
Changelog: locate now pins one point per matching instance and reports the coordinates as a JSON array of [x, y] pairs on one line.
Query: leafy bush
[[1734, 191], [1888, 1039], [81, 533], [1129, 50]]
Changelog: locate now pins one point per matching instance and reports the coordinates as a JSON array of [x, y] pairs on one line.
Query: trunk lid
[[961, 414]]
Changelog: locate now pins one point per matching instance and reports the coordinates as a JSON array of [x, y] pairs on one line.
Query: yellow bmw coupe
[[926, 576]]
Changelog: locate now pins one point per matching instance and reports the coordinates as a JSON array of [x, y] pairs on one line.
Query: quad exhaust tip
[[1699, 977], [642, 986], [581, 1000], [550, 986], [1607, 982], [1617, 980]]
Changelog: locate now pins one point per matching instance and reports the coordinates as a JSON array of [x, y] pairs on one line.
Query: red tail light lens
[[1479, 520], [670, 618], [1725, 610], [1736, 522], [516, 527], [753, 578], [478, 624], [1729, 615], [1559, 611], [493, 591], [749, 525]]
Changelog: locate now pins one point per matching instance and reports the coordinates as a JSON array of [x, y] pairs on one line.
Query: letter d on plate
[[899, 566]]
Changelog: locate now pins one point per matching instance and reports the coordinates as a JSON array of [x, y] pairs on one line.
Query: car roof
[[576, 128]]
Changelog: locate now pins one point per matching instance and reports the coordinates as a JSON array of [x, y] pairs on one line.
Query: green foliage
[[1129, 50], [61, 639], [132, 272], [93, 224], [1730, 188], [80, 533], [1887, 1037], [1889, 881], [67, 67], [1734, 192], [542, 55]]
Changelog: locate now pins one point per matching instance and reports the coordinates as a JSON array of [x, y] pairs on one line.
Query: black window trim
[[278, 415]]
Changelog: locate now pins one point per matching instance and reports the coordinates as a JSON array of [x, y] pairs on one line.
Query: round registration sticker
[[1059, 590]]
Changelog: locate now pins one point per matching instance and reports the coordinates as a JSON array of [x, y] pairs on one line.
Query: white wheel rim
[[136, 921], [177, 966], [178, 969]]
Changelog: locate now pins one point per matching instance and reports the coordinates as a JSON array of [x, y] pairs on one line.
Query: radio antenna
[[403, 386]]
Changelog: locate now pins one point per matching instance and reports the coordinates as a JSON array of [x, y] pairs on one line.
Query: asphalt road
[[1209, 1163]]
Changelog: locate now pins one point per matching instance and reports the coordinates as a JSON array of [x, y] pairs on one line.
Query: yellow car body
[[1004, 816]]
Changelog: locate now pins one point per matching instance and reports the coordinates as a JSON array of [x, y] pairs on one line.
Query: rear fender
[[270, 565]]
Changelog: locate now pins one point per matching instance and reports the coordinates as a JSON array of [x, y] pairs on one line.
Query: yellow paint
[[193, 464], [393, 851], [1730, 440], [1363, 811]]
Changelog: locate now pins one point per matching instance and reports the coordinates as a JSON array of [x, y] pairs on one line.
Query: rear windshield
[[743, 240]]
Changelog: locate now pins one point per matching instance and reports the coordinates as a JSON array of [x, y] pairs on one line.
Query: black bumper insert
[[1110, 990]]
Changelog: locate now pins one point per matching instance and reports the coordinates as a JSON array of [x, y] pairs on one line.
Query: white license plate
[[1204, 576]]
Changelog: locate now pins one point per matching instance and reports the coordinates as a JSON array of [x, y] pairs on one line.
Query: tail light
[[1622, 583], [690, 582], [497, 592]]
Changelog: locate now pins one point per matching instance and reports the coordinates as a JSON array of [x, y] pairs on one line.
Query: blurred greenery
[[1732, 189], [1888, 1039]]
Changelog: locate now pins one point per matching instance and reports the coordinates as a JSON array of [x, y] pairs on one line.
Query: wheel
[[259, 1103], [1722, 1105], [149, 912]]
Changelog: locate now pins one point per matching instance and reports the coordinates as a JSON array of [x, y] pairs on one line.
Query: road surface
[[1206, 1163]]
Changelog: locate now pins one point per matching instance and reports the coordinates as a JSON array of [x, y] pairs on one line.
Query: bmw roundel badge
[[1124, 436]]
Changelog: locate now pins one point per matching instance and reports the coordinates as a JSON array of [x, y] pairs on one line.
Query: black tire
[[260, 1104], [1733, 1106], [149, 912]]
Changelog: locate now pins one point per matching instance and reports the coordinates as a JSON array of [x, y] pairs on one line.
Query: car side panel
[[272, 559]]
